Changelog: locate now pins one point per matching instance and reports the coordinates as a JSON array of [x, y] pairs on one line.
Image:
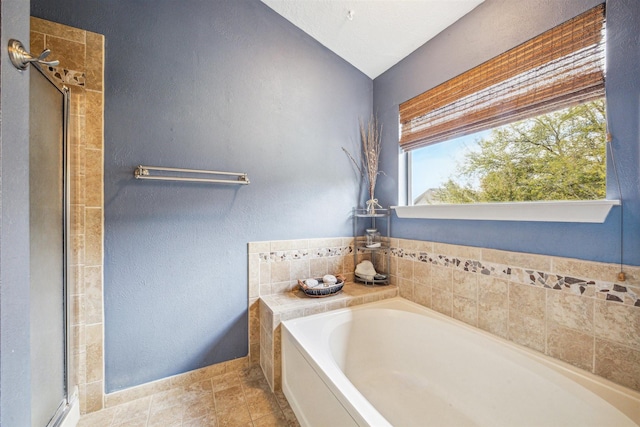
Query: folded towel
[[365, 270]]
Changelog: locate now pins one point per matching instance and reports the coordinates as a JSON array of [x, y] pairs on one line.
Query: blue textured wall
[[492, 28], [15, 363], [224, 85]]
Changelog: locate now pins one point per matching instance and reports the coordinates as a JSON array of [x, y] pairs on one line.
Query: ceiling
[[372, 35]]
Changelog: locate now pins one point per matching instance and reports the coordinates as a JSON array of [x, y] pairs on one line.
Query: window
[[527, 125], [554, 156]]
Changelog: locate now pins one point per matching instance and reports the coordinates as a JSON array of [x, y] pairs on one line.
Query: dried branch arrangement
[[370, 136]]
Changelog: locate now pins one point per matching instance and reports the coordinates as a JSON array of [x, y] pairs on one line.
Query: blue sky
[[434, 164]]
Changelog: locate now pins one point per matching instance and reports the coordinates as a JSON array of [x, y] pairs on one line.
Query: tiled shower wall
[[81, 56], [568, 309]]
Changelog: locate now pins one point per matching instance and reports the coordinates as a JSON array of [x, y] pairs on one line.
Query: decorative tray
[[323, 289]]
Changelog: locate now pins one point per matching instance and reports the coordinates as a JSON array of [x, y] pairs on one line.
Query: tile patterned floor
[[229, 400]]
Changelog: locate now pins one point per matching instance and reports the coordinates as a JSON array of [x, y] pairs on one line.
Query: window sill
[[591, 211]]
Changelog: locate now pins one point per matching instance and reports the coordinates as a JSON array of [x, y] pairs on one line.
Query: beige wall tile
[[93, 178], [405, 287], [94, 61], [348, 264], [314, 309], [441, 300], [405, 269], [317, 267], [465, 309], [517, 259], [422, 246], [527, 315], [77, 155], [62, 31], [617, 322], [618, 363], [94, 357], [76, 219], [36, 44], [632, 274], [570, 346], [281, 287], [77, 249], [78, 108], [70, 54], [527, 300], [442, 278], [259, 247], [94, 119], [288, 245], [280, 271], [394, 266], [254, 321], [254, 275], [527, 331], [493, 305], [93, 294], [422, 294], [76, 277], [94, 396], [265, 273], [411, 245], [77, 189], [265, 289], [334, 265], [458, 251], [584, 269], [570, 311], [465, 284], [93, 236], [422, 273], [77, 310]]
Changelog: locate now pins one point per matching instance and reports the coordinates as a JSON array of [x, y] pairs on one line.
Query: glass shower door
[[48, 240]]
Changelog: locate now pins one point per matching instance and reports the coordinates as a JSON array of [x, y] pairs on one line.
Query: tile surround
[[569, 309], [274, 270]]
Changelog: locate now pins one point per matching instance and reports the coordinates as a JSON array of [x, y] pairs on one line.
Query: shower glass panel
[[48, 240]]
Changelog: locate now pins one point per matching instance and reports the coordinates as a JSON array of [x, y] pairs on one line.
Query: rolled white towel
[[311, 283], [329, 280]]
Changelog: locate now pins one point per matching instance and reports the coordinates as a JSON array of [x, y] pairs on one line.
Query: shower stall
[[49, 247]]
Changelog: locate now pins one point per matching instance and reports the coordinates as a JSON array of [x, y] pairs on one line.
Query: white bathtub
[[396, 363]]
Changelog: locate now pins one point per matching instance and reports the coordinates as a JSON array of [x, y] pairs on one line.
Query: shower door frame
[[65, 405]]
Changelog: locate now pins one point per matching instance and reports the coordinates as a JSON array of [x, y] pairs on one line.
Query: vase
[[372, 204]]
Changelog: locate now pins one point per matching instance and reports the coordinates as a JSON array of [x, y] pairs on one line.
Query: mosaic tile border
[[301, 254], [610, 291]]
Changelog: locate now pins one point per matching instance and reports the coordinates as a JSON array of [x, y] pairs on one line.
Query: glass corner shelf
[[371, 245]]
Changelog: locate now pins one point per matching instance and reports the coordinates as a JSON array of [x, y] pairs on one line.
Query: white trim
[[593, 211]]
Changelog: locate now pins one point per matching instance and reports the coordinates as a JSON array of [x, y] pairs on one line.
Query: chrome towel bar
[[142, 172]]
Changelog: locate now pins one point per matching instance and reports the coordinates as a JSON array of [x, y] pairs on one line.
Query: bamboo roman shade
[[561, 67]]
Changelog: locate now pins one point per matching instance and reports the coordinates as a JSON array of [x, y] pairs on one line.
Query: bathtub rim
[[625, 399]]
